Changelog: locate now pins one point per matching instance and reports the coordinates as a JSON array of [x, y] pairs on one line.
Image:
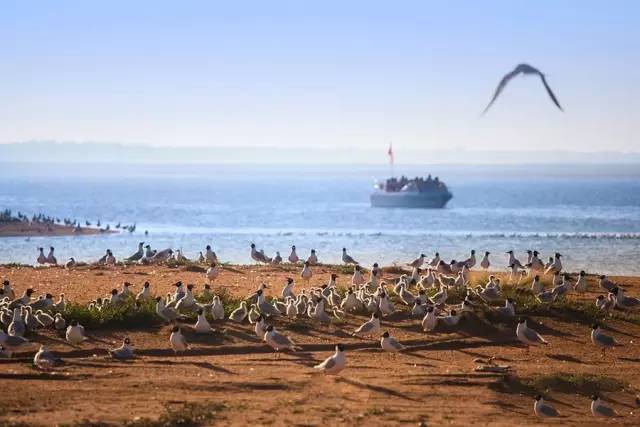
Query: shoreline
[[31, 229]]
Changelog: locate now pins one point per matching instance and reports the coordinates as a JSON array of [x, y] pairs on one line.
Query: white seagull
[[335, 364]]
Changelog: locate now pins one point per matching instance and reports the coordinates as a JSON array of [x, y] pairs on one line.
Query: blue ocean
[[590, 214]]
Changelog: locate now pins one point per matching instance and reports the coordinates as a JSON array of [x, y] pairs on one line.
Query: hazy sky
[[325, 73]]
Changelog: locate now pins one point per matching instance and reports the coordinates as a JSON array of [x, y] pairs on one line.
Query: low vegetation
[[129, 314], [187, 415]]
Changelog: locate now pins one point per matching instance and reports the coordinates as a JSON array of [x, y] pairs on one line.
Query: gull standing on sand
[[75, 333], [240, 313], [605, 304], [508, 310], [217, 308], [333, 365], [161, 256], [543, 409], [535, 264], [556, 266], [42, 259], [484, 263], [287, 291], [138, 254], [606, 284], [346, 258], [213, 271], [306, 272], [293, 256], [111, 259], [70, 263], [266, 309], [145, 294], [45, 303], [210, 256], [536, 286], [260, 328], [168, 314], [623, 301], [524, 69], [471, 261], [17, 327], [7, 291], [22, 300], [600, 410], [358, 279], [370, 327], [416, 263], [202, 325], [601, 340], [255, 254], [513, 260], [527, 335], [11, 343], [45, 360], [124, 352], [51, 259], [177, 341], [581, 285], [278, 341], [430, 320], [390, 344], [59, 323], [277, 259], [435, 261], [313, 257]]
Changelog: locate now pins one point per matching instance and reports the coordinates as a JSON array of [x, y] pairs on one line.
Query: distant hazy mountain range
[[89, 152]]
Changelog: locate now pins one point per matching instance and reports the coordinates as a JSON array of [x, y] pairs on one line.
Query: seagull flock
[[425, 292]]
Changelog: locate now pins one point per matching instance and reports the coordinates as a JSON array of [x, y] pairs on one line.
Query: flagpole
[[390, 152]]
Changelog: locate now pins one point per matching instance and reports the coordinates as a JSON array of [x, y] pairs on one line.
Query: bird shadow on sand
[[630, 359], [202, 365], [568, 358], [543, 330], [375, 388], [619, 332], [507, 407], [45, 376]]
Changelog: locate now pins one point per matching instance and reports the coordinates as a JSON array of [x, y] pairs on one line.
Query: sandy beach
[[34, 229], [231, 378]]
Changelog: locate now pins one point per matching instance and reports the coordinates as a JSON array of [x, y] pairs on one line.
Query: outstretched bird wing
[[501, 86], [549, 91]]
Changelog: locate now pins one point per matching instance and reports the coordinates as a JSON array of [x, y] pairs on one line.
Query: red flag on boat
[[390, 153]]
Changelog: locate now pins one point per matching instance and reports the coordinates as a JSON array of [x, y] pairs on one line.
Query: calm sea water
[[590, 214]]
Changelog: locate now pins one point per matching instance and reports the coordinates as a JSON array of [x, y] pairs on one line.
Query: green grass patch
[[188, 415], [126, 315], [229, 301], [564, 308], [584, 384]]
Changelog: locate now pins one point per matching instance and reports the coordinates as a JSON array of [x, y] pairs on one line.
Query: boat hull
[[410, 200]]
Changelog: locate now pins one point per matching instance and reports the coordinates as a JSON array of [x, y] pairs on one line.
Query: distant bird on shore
[[522, 69], [346, 258], [293, 257], [51, 259], [138, 254], [42, 259]]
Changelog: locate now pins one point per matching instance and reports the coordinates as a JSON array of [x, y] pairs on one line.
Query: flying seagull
[[524, 69]]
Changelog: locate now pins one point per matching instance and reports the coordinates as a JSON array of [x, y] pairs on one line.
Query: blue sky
[[329, 73]]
